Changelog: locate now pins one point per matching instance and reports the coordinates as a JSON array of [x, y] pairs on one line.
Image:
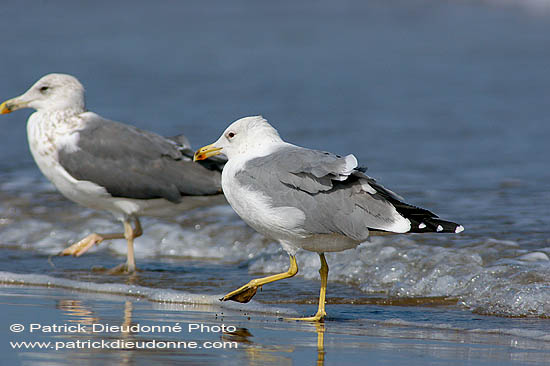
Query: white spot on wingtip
[[459, 229], [422, 225], [439, 228]]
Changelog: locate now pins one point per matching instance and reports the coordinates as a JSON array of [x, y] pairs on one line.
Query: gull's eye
[[231, 135], [43, 89]]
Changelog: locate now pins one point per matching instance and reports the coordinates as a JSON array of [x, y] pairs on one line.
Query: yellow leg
[[247, 292], [322, 295]]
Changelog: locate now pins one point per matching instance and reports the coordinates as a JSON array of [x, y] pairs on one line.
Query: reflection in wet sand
[[127, 357], [320, 329], [259, 354], [77, 312], [381, 334], [83, 314]]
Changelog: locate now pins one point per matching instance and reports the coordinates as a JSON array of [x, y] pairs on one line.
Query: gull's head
[[52, 92], [248, 135]]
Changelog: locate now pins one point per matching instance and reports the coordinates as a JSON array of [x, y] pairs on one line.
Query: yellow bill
[[5, 107], [206, 151], [12, 105]]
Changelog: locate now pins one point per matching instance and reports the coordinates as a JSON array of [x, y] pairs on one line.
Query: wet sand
[[84, 320]]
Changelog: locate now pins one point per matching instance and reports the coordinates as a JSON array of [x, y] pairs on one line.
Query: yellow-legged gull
[[307, 199]]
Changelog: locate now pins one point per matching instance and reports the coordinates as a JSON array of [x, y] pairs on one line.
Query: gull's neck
[[57, 120], [67, 111], [257, 150], [59, 114]]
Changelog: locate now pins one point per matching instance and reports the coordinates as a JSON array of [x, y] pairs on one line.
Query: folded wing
[[334, 194], [132, 163]]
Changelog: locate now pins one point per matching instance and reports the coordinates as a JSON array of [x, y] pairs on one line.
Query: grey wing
[[133, 163], [333, 194]]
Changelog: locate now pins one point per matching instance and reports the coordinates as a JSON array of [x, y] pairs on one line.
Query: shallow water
[[445, 102], [384, 335]]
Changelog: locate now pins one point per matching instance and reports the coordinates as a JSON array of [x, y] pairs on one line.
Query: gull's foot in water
[[77, 249], [243, 294]]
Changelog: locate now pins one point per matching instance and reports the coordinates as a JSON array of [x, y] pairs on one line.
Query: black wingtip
[[435, 225]]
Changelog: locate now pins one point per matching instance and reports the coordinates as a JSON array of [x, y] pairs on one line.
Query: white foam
[[534, 257], [151, 294], [400, 267], [486, 275], [49, 230]]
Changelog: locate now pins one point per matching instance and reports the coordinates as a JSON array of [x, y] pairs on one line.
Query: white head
[[52, 92], [246, 135]]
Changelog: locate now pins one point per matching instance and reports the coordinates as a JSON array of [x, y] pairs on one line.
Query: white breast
[[255, 208], [46, 136]]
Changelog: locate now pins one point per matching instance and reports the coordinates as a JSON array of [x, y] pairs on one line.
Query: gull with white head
[[109, 165], [307, 199]]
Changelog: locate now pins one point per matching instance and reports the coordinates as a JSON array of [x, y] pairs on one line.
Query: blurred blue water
[[412, 85], [429, 95]]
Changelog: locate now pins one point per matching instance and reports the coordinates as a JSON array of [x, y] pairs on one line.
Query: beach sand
[[77, 322]]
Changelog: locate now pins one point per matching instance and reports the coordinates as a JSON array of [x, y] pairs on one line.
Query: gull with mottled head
[[307, 199], [109, 165]]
